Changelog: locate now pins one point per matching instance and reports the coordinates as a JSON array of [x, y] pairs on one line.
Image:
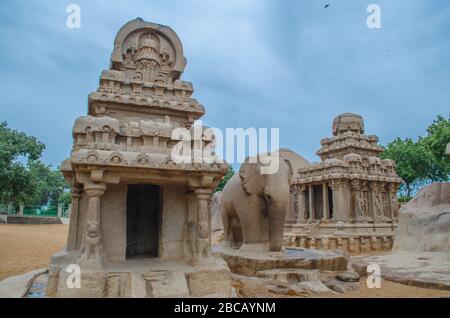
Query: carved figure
[[253, 205]]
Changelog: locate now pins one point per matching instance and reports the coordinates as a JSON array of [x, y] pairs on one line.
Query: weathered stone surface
[[92, 285], [348, 276], [18, 286], [216, 218], [425, 221], [338, 286], [166, 284], [303, 289], [420, 269], [209, 283], [420, 255], [289, 275], [251, 263], [313, 287]]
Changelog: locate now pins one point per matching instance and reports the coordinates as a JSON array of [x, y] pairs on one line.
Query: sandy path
[[24, 248]]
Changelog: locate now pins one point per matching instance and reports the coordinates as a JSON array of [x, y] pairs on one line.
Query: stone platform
[[419, 269], [291, 272], [142, 278], [250, 263]]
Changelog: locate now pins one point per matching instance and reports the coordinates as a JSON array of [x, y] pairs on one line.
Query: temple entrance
[[143, 215]]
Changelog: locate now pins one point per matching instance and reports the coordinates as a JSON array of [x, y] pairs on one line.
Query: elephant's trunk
[[276, 229]]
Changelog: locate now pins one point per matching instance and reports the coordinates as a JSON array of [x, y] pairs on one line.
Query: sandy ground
[[24, 248]]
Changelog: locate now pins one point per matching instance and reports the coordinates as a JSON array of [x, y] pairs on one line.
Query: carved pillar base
[[91, 247], [203, 239], [74, 212]]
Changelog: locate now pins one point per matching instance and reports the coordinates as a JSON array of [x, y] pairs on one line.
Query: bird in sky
[[326, 6]]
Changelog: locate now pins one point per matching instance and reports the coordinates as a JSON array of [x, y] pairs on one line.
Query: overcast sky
[[288, 64]]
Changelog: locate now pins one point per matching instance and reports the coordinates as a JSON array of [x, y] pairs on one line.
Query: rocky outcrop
[[424, 224]]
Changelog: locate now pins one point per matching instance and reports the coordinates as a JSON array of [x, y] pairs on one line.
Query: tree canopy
[[422, 161], [23, 177], [225, 179]]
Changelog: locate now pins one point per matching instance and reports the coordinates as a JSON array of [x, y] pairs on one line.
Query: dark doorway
[[330, 202], [143, 210]]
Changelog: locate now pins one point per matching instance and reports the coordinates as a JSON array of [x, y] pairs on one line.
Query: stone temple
[[348, 200], [140, 223]]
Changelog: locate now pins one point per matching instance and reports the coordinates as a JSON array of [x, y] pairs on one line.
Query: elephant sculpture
[[253, 206]]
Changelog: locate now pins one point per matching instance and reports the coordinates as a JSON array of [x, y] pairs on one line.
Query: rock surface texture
[[425, 221], [420, 255]]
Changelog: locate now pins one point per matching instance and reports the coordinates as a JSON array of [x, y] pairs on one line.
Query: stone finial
[[348, 122]]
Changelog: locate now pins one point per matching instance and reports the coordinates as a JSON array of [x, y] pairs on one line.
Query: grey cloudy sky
[[279, 63]]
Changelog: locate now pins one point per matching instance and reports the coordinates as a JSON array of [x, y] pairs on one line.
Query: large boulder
[[424, 224]]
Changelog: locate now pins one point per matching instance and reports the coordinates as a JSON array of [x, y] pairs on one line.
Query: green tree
[[225, 179], [415, 163], [436, 141], [23, 177], [49, 184], [17, 152]]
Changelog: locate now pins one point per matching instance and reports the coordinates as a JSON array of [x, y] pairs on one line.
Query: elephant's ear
[[291, 171], [245, 173]]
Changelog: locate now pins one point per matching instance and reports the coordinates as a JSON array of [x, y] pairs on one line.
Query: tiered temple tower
[[137, 216], [349, 199]]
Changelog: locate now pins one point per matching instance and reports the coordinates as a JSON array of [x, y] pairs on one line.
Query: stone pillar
[[311, 203], [393, 201], [375, 200], [326, 207], [203, 242], [292, 194], [289, 207], [91, 246], [73, 223], [60, 209], [341, 200], [301, 216], [357, 198]]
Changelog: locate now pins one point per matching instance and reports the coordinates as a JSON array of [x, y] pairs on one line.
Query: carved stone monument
[[140, 223], [348, 200]]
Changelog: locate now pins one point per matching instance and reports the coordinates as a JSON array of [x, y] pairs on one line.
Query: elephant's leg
[[251, 218], [226, 225]]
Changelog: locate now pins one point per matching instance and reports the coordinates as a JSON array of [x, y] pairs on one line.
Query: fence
[[38, 211]]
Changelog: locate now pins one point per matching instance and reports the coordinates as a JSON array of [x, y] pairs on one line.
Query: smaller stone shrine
[[140, 223], [348, 200]]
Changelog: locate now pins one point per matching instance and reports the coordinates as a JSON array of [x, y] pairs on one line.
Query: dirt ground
[[27, 247], [24, 248]]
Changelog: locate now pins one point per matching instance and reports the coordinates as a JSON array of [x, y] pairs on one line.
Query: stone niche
[[348, 200], [140, 223]]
